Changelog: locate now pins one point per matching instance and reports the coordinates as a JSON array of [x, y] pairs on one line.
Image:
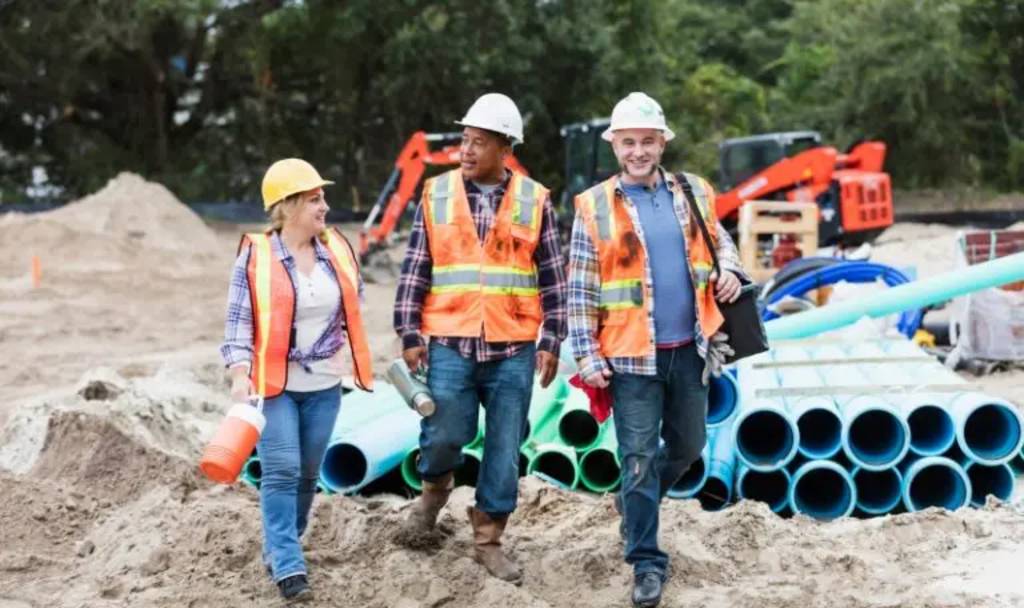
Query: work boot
[[417, 531], [487, 551], [295, 588], [647, 590]]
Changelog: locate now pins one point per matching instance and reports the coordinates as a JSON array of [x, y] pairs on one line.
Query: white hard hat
[[637, 111], [495, 112]]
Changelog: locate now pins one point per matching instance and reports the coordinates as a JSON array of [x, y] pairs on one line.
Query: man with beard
[[644, 320]]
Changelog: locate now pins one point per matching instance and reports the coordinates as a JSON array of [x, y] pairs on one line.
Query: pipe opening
[[877, 438], [254, 470], [524, 464], [599, 471], [722, 399], [822, 493], [936, 485], [995, 480], [992, 432], [344, 466], [691, 480], [931, 430], [557, 466], [821, 433], [410, 470], [467, 473], [764, 438], [878, 491], [578, 429], [714, 495], [770, 487]]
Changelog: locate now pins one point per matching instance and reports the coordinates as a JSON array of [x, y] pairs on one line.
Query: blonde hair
[[279, 213]]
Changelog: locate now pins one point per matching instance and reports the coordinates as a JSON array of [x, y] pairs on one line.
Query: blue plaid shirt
[[238, 344], [585, 286]]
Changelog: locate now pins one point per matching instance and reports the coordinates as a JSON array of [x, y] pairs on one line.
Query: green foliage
[[204, 94]]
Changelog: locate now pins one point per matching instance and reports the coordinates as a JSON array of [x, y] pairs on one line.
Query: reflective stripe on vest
[[261, 259], [443, 198], [624, 293]]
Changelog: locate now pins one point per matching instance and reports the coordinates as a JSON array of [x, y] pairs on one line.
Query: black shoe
[[295, 588], [647, 590], [622, 518]]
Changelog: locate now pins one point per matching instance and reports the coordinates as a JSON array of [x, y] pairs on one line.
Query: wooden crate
[[773, 219]]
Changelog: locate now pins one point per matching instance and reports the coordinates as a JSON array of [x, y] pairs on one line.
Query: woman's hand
[[241, 386]]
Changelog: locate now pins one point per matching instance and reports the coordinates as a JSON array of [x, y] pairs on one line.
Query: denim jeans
[[291, 449], [673, 405], [459, 385]]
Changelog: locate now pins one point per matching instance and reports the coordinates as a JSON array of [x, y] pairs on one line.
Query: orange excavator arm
[[405, 178], [808, 174]]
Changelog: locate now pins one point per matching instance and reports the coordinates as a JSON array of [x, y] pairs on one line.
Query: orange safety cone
[[233, 442], [37, 272]]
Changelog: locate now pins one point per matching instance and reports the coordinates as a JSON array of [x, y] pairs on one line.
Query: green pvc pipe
[[468, 472], [545, 405], [600, 467], [577, 427], [410, 474], [252, 472], [554, 460], [916, 294]]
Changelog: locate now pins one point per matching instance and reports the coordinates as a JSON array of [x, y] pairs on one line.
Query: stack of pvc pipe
[[879, 426]]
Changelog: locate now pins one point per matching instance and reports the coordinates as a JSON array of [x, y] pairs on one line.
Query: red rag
[[600, 398]]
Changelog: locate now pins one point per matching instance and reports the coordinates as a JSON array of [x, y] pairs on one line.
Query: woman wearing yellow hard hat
[[293, 304]]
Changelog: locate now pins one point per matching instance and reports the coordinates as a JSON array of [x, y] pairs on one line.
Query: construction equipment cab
[[853, 194]]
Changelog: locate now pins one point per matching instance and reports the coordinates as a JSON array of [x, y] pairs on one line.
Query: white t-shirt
[[317, 296]]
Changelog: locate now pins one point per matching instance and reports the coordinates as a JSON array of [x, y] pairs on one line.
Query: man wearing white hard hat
[[644, 319], [484, 279]]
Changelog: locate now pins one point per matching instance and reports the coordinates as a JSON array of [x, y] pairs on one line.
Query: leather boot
[[487, 551], [418, 528]]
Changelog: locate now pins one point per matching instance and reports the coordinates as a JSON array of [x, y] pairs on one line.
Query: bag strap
[[695, 211]]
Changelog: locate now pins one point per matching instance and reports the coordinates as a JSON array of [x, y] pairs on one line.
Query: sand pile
[[127, 223]]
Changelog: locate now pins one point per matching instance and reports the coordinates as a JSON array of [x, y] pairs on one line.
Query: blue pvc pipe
[[693, 480], [995, 480], [723, 398], [935, 481], [765, 435], [716, 492], [359, 408], [989, 429], [820, 425], [878, 492], [373, 448], [932, 428], [823, 490], [850, 272], [876, 436], [917, 294], [769, 487]]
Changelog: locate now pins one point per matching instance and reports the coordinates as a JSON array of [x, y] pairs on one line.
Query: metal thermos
[[411, 387]]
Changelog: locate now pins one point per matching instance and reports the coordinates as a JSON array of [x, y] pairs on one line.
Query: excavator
[[403, 185], [853, 194]]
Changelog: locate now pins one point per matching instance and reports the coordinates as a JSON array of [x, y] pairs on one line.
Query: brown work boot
[[418, 531], [487, 546]]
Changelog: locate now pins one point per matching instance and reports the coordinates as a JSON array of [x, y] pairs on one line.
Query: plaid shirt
[[585, 287], [238, 344], [417, 272]]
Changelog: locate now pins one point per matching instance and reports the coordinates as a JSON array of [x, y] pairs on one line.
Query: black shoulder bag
[[743, 322]]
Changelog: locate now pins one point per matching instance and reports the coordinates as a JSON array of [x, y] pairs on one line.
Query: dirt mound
[[128, 222]]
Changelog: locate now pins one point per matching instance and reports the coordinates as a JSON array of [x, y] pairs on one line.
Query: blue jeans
[[672, 404], [291, 449], [459, 385]]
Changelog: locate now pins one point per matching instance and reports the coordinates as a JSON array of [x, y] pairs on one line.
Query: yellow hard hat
[[287, 177]]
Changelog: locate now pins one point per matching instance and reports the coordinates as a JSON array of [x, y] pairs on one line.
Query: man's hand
[[599, 379], [415, 358], [547, 367], [727, 287]]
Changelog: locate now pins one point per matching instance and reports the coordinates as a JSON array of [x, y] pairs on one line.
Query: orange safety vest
[[490, 288], [273, 304], [623, 313]]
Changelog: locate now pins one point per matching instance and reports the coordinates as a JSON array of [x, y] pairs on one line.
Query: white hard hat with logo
[[495, 112], [637, 111]]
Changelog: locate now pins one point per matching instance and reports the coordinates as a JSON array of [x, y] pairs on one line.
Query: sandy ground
[[113, 382]]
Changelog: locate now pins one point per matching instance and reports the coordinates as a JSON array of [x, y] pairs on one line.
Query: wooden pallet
[[772, 219]]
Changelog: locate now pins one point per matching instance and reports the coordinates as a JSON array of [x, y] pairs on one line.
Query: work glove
[[718, 351]]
